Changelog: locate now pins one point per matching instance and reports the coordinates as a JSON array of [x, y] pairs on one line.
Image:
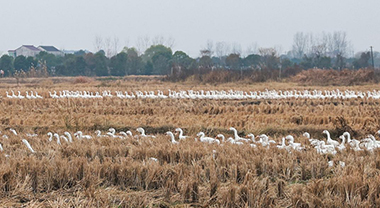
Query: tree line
[[328, 51]]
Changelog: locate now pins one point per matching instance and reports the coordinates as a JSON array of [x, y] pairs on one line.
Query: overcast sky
[[74, 24]]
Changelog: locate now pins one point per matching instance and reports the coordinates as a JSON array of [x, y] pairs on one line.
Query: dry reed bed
[[114, 172], [277, 117], [118, 173]]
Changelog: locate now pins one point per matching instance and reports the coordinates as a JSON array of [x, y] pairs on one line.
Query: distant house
[[12, 53], [30, 50], [51, 49], [25, 50]]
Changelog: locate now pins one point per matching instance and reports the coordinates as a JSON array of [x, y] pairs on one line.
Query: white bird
[[142, 133], [322, 148], [313, 142], [172, 137], [50, 135], [1, 148], [38, 96], [79, 135], [329, 140], [112, 133], [205, 139], [181, 136], [237, 137], [264, 140], [99, 133], [57, 137], [68, 135], [31, 135], [342, 146], [64, 138], [13, 131], [28, 145], [252, 137], [283, 144], [20, 96], [352, 142], [292, 144], [124, 135], [230, 140]]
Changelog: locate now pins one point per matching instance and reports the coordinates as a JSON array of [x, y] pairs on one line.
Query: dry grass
[[118, 173]]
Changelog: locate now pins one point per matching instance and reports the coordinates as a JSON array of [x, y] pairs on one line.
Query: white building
[[25, 50], [30, 50], [51, 49]]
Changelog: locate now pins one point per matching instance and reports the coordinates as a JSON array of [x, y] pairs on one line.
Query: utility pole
[[373, 63]]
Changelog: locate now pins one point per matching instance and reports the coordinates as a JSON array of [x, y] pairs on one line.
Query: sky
[[74, 24]]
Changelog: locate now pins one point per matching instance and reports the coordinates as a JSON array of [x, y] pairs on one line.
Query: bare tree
[[300, 44], [170, 42], [340, 42], [222, 49], [236, 48], [252, 49], [209, 48], [116, 45], [98, 43], [108, 47], [142, 44], [269, 58], [158, 40]]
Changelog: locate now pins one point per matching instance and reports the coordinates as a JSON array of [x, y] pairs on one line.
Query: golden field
[[113, 172]]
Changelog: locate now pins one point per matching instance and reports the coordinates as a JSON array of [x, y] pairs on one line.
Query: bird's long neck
[[328, 135], [348, 137], [235, 133], [180, 133], [172, 137], [69, 136]]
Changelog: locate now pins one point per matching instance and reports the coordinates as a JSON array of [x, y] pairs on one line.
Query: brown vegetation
[[108, 172], [336, 78]]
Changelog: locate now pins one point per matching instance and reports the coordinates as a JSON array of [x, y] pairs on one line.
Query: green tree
[[21, 63], [51, 60], [160, 56], [233, 61], [134, 62], [183, 60], [363, 61], [72, 66], [31, 62], [252, 61], [101, 64], [90, 64], [148, 68], [118, 64], [6, 64]]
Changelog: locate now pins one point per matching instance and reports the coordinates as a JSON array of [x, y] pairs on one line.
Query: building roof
[[30, 47], [49, 48]]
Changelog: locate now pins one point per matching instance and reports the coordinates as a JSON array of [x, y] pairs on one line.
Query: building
[[24, 50], [30, 50], [51, 49]]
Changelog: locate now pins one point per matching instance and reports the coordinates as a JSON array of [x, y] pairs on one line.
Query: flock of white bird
[[330, 146], [201, 94]]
